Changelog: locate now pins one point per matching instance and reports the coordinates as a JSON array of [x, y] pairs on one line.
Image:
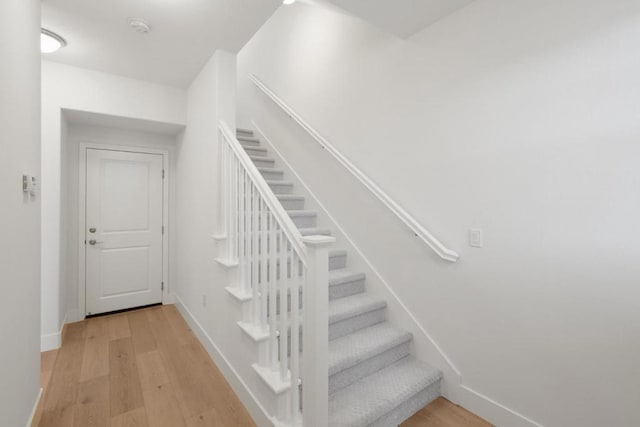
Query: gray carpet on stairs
[[373, 379]]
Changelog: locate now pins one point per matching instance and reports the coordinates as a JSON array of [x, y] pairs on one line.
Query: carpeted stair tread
[[354, 305], [271, 170], [366, 401], [347, 351], [244, 132], [262, 159], [301, 212], [344, 275], [289, 197], [255, 148]]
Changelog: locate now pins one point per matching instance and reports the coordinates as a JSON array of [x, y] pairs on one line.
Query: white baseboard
[[35, 408], [257, 411], [54, 341], [50, 341]]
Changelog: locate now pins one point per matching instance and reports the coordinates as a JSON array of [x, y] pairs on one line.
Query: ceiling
[[75, 117], [403, 18], [184, 34]]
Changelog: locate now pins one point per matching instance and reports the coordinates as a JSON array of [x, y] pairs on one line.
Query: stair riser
[[348, 376], [272, 175], [337, 262], [281, 188], [249, 143], [347, 326], [292, 204], [346, 289], [263, 163], [304, 221], [253, 151]]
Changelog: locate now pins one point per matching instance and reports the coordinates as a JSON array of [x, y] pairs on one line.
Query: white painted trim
[[35, 408], [257, 411], [466, 396], [421, 232], [272, 379], [50, 341], [241, 295], [54, 341], [82, 195]]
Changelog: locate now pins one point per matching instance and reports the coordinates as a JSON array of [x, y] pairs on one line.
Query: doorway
[[123, 210]]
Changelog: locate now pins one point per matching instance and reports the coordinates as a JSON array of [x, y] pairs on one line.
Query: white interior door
[[124, 220]]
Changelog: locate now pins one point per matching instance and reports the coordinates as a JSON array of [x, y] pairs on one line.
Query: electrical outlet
[[475, 238]]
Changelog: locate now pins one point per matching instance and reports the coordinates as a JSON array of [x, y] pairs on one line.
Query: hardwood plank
[[143, 340], [47, 363], [95, 362], [188, 384], [118, 326], [125, 389], [163, 408], [151, 369], [206, 419], [180, 327], [60, 397], [134, 418], [443, 413], [48, 360], [92, 405]]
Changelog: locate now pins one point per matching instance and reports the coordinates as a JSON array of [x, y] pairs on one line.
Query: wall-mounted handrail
[[421, 232]]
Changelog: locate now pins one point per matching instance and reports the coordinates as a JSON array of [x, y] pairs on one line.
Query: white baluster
[[247, 237], [273, 257], [295, 335], [233, 207], [255, 285], [283, 308], [263, 264], [241, 188]]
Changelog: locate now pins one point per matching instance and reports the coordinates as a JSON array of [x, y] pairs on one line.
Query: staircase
[[373, 378]]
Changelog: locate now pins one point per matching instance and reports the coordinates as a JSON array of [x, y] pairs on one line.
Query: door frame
[[82, 202]]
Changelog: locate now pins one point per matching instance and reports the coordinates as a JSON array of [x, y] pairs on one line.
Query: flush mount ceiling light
[[288, 1], [140, 26], [50, 41]]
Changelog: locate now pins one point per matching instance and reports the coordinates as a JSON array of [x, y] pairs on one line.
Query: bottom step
[[385, 398]]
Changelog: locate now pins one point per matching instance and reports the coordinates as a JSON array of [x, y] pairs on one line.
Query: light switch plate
[[29, 184], [475, 238]]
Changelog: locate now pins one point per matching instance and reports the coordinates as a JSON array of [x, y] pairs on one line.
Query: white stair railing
[[274, 264]]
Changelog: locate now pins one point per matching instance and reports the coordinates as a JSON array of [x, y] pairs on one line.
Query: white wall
[[66, 87], [19, 213], [516, 117], [211, 97]]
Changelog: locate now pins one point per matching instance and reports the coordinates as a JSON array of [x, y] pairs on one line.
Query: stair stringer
[[423, 346]]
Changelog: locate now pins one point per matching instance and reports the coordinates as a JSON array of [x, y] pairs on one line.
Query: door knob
[[93, 242], [92, 230]]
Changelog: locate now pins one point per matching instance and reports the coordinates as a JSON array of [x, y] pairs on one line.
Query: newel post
[[315, 389]]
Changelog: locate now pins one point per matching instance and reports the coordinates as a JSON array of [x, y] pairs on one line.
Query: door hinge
[[162, 286], [162, 173], [163, 229]]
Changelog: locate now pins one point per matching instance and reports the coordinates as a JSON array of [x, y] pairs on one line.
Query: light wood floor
[[145, 368]]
